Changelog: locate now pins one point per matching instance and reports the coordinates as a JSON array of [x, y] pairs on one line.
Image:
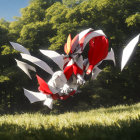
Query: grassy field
[[120, 122]]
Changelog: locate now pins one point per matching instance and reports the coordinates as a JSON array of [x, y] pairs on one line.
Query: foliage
[[132, 20]]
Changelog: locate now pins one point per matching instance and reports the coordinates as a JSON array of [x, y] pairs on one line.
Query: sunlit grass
[[103, 123]]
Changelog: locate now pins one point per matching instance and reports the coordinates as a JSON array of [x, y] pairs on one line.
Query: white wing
[[37, 62], [49, 102], [25, 67], [38, 96], [111, 56], [56, 57], [127, 51], [95, 72], [79, 62], [19, 48], [83, 33], [34, 96]]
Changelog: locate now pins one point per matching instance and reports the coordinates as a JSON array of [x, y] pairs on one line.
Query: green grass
[[120, 122]]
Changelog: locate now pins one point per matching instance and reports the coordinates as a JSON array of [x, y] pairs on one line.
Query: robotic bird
[[73, 67]]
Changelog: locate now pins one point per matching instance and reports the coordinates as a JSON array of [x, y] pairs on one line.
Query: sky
[[11, 8]]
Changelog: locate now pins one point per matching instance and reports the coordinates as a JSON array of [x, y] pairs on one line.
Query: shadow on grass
[[122, 130]]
